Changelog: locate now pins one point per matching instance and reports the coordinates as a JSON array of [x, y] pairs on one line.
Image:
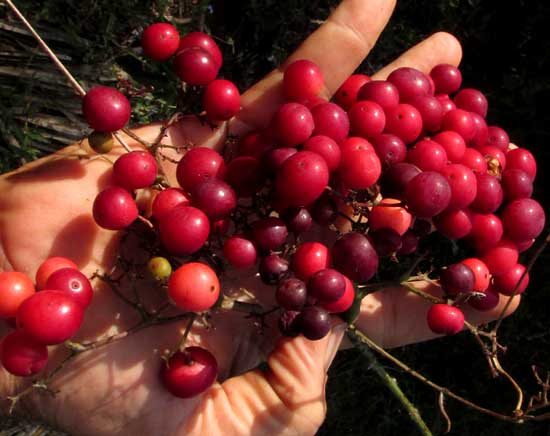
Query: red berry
[[183, 230], [168, 199], [367, 119], [404, 121], [135, 170], [160, 41], [197, 165], [330, 120], [471, 100], [309, 258], [215, 198], [114, 208], [453, 144], [204, 41], [326, 285], [486, 231], [380, 91], [498, 138], [445, 320], [489, 152], [460, 121], [507, 283], [189, 372], [428, 194], [474, 160], [453, 224], [431, 111], [347, 94], [446, 103], [489, 194], [195, 66], [50, 317], [501, 258], [360, 167], [522, 159], [344, 302], [269, 233], [221, 100], [481, 273], [447, 78], [73, 283], [463, 185], [410, 83], [22, 356], [481, 131], [15, 288], [386, 215], [302, 80], [239, 252], [254, 145], [516, 184], [194, 287], [523, 219], [106, 109], [48, 267], [245, 175], [427, 155], [327, 148], [389, 149], [293, 124]]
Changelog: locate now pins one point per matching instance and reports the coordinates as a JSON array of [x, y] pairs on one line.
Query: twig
[[441, 403], [122, 142]]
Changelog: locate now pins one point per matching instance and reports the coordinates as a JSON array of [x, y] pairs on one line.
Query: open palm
[[45, 210]]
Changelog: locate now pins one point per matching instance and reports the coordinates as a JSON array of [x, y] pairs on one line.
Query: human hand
[[45, 210]]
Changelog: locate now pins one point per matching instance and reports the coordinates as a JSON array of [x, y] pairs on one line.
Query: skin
[[45, 210]]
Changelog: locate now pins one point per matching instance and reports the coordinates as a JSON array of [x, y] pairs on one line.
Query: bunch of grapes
[[380, 167]]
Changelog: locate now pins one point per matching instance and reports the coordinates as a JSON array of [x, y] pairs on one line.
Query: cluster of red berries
[[383, 165], [48, 317]]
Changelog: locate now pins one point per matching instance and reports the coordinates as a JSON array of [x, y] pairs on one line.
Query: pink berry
[[160, 41], [446, 103], [522, 159], [195, 66], [489, 194], [184, 230], [463, 185], [523, 219], [453, 224], [167, 199], [106, 109], [245, 175], [447, 78], [204, 41], [507, 283], [501, 258], [114, 208], [197, 165], [327, 148], [367, 119], [189, 372], [404, 121], [309, 258], [302, 79], [431, 111], [471, 100], [360, 167], [427, 155], [516, 184], [453, 143], [135, 170], [293, 124], [330, 120], [445, 320], [428, 194], [410, 83], [389, 148], [482, 131], [380, 91], [240, 252], [73, 283], [347, 94], [460, 121], [215, 198], [221, 100], [20, 355], [498, 138], [482, 277]]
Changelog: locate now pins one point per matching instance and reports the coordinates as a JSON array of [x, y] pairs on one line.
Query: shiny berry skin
[[254, 144], [195, 66], [292, 124], [273, 159], [453, 224], [302, 178], [471, 100], [395, 179], [204, 41], [347, 94], [410, 82], [114, 208], [460, 121], [159, 268], [385, 215], [297, 219], [431, 111], [197, 165], [330, 120], [445, 320], [302, 80], [525, 245], [488, 302], [446, 103], [215, 198], [189, 372], [447, 78], [344, 302], [486, 231], [327, 148], [492, 153], [48, 267], [135, 170], [380, 91], [428, 194], [506, 283], [15, 288], [240, 252], [367, 119], [269, 233], [522, 219], [516, 184], [360, 168], [22, 356], [245, 174], [221, 100], [73, 283], [501, 258], [489, 194], [522, 159], [184, 230], [390, 149], [314, 322], [474, 160], [160, 41], [291, 294], [385, 241], [309, 258], [482, 276], [101, 142], [167, 199], [106, 109], [453, 144], [404, 121], [194, 287], [456, 279], [273, 268], [326, 285], [354, 256], [427, 155], [463, 185], [50, 317], [481, 131], [497, 137]]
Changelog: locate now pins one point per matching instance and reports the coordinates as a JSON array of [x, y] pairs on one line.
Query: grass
[[504, 54]]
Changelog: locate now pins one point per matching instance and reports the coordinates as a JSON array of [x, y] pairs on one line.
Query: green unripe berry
[[101, 142], [160, 268]]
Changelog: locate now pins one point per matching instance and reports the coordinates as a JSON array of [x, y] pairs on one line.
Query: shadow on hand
[[76, 240]]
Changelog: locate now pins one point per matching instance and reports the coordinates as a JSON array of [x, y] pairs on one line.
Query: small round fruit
[[159, 267], [167, 199], [456, 279], [197, 165], [355, 257], [160, 41], [194, 287], [50, 317], [344, 302], [101, 142], [135, 170], [389, 214], [15, 288], [21, 356], [309, 258], [221, 100], [215, 198], [49, 266], [291, 294], [302, 80], [114, 208], [488, 301], [240, 252], [326, 285], [204, 41], [269, 233], [482, 277], [195, 66], [428, 194], [273, 268], [106, 109], [184, 230], [509, 282], [73, 283], [445, 320], [314, 322], [189, 372]]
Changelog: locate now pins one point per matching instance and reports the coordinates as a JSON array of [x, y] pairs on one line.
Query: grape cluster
[[384, 164]]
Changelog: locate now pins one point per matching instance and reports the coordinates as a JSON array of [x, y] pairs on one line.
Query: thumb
[[286, 399]]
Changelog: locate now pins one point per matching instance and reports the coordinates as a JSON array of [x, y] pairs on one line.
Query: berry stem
[[78, 88], [181, 345]]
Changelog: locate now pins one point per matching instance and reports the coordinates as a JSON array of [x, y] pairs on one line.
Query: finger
[[288, 398], [395, 317], [439, 48], [338, 47]]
